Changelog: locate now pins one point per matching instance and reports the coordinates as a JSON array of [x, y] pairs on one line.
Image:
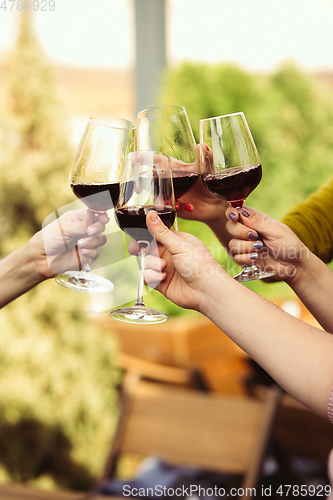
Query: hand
[[200, 204], [267, 243], [180, 267], [66, 243]]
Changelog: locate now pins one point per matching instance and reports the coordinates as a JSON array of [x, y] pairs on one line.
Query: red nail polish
[[188, 208]]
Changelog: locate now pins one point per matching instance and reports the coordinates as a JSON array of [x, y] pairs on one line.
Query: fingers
[[154, 278], [254, 223], [93, 254], [87, 246], [232, 214], [161, 233], [186, 207], [89, 224], [154, 270], [241, 232], [245, 253], [92, 218], [133, 247]]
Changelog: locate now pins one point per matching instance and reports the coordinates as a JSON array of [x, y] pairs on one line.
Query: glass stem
[[176, 223], [86, 269], [142, 256]]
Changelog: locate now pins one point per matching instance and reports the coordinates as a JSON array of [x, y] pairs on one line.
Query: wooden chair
[[190, 377], [223, 434]]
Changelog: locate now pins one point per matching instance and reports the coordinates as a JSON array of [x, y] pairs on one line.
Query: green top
[[312, 221]]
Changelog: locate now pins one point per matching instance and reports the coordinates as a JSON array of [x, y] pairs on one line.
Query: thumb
[[162, 233]]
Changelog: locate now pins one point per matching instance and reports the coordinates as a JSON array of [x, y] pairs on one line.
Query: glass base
[[139, 315], [250, 273], [84, 282]]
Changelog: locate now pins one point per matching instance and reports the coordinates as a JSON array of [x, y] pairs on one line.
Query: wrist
[[30, 260], [218, 223], [17, 275], [304, 269], [218, 282]]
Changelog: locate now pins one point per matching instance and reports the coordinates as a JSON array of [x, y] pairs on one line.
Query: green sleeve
[[312, 221]]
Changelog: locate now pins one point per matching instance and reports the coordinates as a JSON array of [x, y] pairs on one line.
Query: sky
[[256, 34]]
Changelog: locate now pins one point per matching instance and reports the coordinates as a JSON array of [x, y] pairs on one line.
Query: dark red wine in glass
[[149, 172], [167, 129], [183, 181], [132, 220], [235, 184], [94, 179], [231, 167], [97, 197]]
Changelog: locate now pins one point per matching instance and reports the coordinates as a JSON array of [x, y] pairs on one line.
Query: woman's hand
[[66, 243], [267, 243], [200, 204], [180, 267]]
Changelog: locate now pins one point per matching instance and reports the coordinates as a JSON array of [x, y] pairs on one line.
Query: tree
[[57, 368], [290, 116], [36, 153]]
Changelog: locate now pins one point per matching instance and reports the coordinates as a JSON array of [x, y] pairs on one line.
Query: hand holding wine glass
[[167, 129], [231, 167], [94, 178], [146, 185]]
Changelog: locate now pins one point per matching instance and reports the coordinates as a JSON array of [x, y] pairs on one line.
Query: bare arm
[[298, 356], [304, 272], [51, 251]]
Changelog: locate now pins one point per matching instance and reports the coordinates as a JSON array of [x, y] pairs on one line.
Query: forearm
[[17, 275], [218, 226], [298, 356], [312, 221], [313, 284]]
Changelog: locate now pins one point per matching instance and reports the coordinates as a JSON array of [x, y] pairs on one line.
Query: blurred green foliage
[[290, 114], [57, 374]]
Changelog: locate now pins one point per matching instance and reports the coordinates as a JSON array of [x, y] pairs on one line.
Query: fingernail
[[154, 217], [207, 146], [258, 245], [253, 256], [252, 235], [85, 251], [232, 216], [188, 208], [92, 230], [177, 205], [245, 212], [82, 243]]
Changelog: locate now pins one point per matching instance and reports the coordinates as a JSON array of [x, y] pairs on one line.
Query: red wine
[[234, 184], [183, 181], [97, 197], [132, 220]]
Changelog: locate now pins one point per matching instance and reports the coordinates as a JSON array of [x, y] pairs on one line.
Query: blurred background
[[272, 60]]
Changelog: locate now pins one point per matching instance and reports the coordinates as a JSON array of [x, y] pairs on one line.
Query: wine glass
[[94, 178], [167, 129], [146, 185], [231, 167]]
